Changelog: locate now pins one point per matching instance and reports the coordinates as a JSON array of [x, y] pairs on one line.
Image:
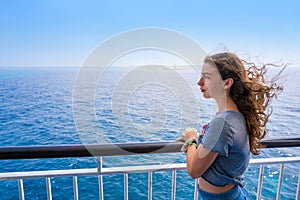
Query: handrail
[[89, 150]]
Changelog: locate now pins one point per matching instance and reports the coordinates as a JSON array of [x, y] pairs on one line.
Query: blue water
[[36, 109]]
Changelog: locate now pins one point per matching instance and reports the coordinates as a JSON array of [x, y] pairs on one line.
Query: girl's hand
[[188, 135]]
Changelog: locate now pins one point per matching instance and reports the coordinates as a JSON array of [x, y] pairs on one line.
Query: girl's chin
[[206, 96]]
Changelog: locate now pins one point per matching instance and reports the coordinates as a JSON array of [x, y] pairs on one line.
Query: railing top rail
[[127, 169], [89, 150]]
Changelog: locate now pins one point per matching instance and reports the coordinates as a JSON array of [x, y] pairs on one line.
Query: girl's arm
[[199, 160]]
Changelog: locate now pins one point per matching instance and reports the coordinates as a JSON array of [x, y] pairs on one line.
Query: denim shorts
[[236, 193]]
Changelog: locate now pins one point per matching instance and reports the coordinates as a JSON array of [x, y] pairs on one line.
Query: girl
[[220, 158]]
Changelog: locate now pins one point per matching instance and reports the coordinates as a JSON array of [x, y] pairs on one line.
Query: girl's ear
[[228, 83]]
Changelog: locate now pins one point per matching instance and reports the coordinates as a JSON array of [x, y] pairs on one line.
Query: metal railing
[[99, 151]]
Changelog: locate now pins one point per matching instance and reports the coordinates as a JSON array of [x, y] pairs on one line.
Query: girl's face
[[211, 83]]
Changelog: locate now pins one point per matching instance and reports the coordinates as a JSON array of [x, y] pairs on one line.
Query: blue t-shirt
[[227, 135]]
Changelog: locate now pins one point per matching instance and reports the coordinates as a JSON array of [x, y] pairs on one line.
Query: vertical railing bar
[[298, 187], [196, 190], [279, 181], [173, 184], [259, 183], [125, 186], [48, 185], [149, 185], [100, 179], [21, 189], [75, 186]]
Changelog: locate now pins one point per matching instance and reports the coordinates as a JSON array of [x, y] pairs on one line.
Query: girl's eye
[[206, 77]]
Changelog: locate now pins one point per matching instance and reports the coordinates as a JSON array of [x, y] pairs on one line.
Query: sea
[[49, 106]]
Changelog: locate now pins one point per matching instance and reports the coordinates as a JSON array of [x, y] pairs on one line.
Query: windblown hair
[[251, 92]]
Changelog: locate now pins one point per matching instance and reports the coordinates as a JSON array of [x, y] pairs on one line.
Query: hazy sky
[[64, 32]]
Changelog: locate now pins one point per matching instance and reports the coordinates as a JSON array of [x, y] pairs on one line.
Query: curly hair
[[250, 91]]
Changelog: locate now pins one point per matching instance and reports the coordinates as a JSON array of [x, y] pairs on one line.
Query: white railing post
[[75, 186], [173, 184], [48, 186], [21, 189], [259, 184], [150, 185], [100, 179], [196, 190], [279, 182], [298, 187], [125, 186]]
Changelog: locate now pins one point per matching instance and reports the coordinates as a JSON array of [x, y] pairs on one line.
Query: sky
[[64, 32]]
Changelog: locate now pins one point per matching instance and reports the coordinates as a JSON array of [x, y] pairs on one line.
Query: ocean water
[[37, 108]]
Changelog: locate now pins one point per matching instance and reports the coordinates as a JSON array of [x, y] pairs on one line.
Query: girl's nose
[[201, 82]]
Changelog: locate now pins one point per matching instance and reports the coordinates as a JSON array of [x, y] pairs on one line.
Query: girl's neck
[[225, 104]]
